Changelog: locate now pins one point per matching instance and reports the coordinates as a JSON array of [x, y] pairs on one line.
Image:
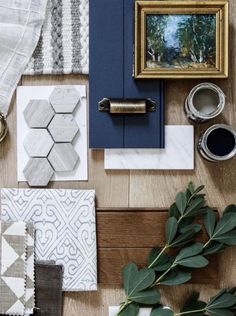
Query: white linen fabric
[[20, 27]]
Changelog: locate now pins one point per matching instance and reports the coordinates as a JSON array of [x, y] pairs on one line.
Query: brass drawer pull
[[126, 106]]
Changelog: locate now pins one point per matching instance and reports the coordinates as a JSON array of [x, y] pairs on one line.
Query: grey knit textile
[[63, 46]]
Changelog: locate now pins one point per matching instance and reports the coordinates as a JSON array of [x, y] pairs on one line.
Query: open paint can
[[218, 143], [3, 127], [204, 102]]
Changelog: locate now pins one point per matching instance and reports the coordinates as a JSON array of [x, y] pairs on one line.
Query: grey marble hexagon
[[64, 99], [38, 172], [63, 157], [38, 113], [38, 143], [63, 128]]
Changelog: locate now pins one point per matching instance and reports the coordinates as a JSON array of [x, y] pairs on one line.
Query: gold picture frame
[[177, 58]]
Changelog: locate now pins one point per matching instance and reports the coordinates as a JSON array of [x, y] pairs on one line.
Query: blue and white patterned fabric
[[65, 227]]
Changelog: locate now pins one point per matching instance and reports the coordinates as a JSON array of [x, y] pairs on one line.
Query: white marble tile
[[27, 93], [178, 153], [113, 310]]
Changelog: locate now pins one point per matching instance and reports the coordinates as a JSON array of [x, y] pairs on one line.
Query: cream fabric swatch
[[20, 27]]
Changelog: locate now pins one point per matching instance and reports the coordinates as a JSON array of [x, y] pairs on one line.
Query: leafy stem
[[191, 312], [158, 256]]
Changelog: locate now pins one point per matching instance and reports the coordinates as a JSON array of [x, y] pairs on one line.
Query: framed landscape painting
[[181, 39]]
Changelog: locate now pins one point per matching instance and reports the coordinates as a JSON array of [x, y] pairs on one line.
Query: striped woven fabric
[[63, 46]]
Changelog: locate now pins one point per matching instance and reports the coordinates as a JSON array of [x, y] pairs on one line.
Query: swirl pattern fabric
[[65, 227]]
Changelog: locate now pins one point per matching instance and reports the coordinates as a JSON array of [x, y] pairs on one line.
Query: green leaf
[[193, 303], [181, 202], [162, 311], [185, 222], [194, 207], [194, 262], [164, 266], [228, 239], [191, 187], [183, 239], [214, 247], [147, 297], [223, 301], [173, 211], [221, 312], [196, 227], [136, 280], [225, 224], [210, 221], [176, 277], [130, 310], [152, 257], [199, 189], [190, 251], [171, 229], [230, 209]]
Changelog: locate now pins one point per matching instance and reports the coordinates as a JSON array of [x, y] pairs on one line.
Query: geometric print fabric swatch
[[13, 266], [30, 272], [65, 230]]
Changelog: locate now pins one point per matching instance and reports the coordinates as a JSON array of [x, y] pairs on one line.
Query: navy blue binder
[[111, 76]]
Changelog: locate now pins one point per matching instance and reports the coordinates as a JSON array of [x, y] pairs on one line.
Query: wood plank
[[111, 261], [138, 229]]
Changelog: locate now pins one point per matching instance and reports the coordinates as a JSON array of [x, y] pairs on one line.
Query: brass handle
[[126, 106], [3, 127]]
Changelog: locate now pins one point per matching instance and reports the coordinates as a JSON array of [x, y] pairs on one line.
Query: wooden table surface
[[155, 189]]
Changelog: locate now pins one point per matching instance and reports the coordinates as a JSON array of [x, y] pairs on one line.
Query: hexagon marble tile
[[77, 123], [38, 172], [38, 143], [63, 128], [63, 157], [64, 99], [38, 113]]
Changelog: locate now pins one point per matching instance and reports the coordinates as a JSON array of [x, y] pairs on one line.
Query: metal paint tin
[[3, 127], [204, 102], [218, 143]]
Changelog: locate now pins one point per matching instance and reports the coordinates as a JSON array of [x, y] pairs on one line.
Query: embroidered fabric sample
[[63, 46], [13, 265], [48, 285], [65, 227]]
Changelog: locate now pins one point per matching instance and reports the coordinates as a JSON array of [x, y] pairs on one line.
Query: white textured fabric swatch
[[20, 27], [65, 230]]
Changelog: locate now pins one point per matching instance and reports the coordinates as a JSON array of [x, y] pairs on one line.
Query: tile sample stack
[[48, 117], [17, 286], [50, 129], [64, 221]]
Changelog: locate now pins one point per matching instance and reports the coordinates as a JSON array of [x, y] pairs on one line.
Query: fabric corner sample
[[65, 227], [30, 272], [48, 289], [177, 155], [13, 267]]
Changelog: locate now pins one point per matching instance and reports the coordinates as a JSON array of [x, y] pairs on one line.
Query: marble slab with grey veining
[[64, 99], [38, 172], [38, 113], [178, 153], [38, 143], [63, 157], [63, 128]]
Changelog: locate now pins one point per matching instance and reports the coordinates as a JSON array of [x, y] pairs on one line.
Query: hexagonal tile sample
[[63, 157], [64, 99], [38, 172], [38, 113], [38, 143], [63, 128]]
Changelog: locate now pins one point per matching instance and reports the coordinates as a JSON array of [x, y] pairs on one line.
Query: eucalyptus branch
[[141, 286]]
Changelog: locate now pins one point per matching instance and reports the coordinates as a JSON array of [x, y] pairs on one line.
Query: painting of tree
[[181, 41]]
